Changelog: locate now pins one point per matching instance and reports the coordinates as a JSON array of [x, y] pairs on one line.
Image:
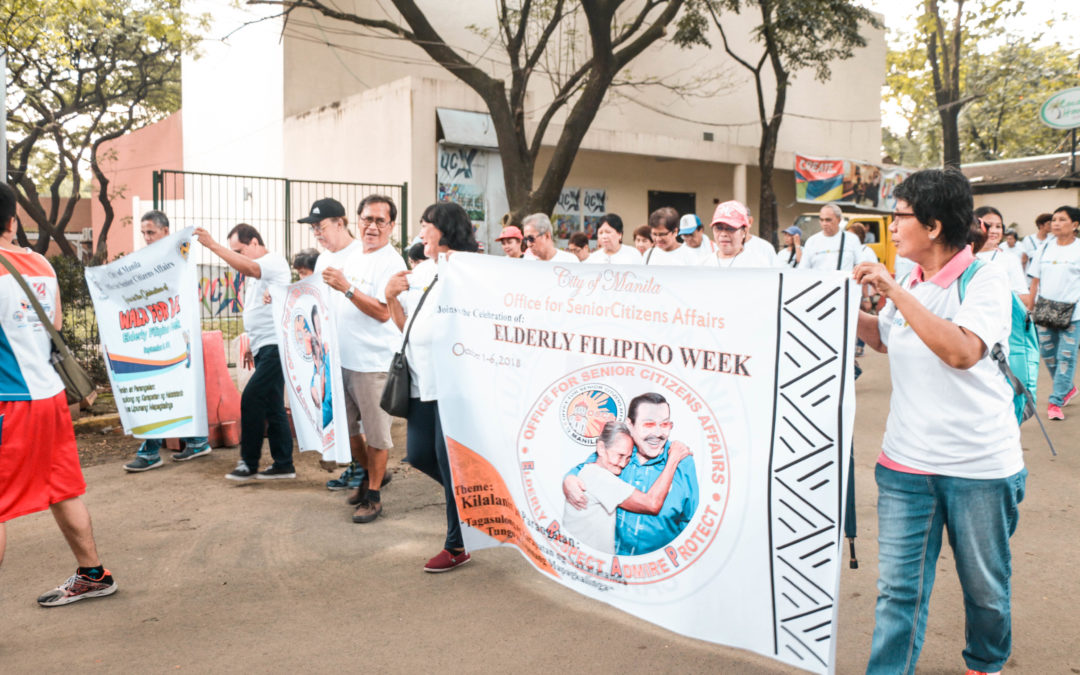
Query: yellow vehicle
[[878, 237]]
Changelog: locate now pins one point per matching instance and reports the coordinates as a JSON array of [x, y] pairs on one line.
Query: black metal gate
[[218, 202]]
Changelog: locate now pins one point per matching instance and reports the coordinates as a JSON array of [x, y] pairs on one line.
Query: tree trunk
[[950, 136]]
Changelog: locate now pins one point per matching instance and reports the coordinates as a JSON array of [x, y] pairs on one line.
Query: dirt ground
[[274, 577]]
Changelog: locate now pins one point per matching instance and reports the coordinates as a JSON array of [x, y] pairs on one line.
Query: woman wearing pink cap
[[730, 225]]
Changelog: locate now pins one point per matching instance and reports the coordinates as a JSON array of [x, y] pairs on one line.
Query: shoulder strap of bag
[[57, 340], [997, 354], [416, 312], [648, 256], [840, 255]]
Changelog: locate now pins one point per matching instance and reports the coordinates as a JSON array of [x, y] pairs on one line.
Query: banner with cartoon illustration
[[678, 454], [820, 180], [309, 360], [147, 307]]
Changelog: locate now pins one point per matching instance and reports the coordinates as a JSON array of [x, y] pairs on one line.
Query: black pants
[[262, 402], [426, 451]]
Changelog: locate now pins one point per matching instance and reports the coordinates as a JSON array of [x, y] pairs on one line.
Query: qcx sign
[[1062, 110]]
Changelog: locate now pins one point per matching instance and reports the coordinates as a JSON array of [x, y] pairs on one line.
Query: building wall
[[838, 118], [1022, 206], [129, 165]]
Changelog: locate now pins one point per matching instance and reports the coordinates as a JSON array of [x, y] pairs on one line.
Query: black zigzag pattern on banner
[[805, 468]]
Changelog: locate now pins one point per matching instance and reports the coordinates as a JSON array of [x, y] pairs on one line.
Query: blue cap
[[794, 229], [689, 224]]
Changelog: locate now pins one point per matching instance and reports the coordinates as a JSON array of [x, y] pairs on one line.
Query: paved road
[[220, 577]]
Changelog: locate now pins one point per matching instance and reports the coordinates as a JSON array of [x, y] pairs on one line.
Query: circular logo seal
[[586, 409]]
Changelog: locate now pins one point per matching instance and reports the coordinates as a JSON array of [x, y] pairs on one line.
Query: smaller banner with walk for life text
[[712, 503], [308, 349], [147, 307]]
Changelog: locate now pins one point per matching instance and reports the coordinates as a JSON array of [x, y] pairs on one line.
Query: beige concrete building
[[1023, 188], [325, 100]]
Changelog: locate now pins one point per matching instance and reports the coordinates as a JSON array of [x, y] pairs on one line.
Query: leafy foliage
[[790, 43], [1008, 84], [81, 73]]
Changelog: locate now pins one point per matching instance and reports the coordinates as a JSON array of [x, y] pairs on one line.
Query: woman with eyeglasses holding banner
[[1056, 290], [445, 229], [951, 455]]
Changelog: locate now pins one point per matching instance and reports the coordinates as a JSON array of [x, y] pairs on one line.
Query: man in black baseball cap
[[327, 207]]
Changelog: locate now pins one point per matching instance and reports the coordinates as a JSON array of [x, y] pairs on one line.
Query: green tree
[[82, 73], [790, 42], [526, 36], [969, 88]]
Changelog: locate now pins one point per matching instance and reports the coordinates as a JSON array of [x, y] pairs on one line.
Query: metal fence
[[218, 202]]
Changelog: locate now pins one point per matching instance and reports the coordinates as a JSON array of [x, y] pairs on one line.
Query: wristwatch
[[349, 293]]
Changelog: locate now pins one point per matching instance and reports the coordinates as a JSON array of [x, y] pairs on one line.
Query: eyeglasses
[[530, 238], [902, 214], [649, 426], [662, 233], [725, 228], [379, 222]]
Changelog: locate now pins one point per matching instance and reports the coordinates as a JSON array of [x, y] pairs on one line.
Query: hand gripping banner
[[147, 308], [712, 505]]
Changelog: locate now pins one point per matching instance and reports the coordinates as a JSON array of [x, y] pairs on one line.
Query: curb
[[100, 423]]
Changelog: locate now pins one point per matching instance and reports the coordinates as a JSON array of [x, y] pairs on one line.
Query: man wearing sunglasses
[[539, 240], [649, 419]]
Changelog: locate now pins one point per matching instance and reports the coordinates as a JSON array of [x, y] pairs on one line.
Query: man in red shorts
[[39, 462]]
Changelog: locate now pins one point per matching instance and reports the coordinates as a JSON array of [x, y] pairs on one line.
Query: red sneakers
[[1070, 396], [1053, 412], [446, 561]]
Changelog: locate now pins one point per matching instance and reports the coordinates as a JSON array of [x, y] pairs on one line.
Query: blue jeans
[[980, 516], [1058, 349], [151, 447]]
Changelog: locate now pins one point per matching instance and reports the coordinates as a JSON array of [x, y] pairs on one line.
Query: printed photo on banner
[[660, 449], [147, 310], [820, 180], [312, 370]]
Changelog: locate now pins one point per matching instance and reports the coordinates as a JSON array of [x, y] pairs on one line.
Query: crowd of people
[[951, 454]]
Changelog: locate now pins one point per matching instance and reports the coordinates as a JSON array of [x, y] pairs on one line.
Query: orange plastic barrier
[[222, 397]]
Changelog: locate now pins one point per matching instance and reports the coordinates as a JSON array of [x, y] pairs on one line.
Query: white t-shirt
[[944, 420], [418, 351], [595, 524], [1031, 246], [367, 345], [746, 259], [25, 346], [682, 256], [336, 259], [759, 246], [821, 252], [561, 256], [1058, 270], [1018, 281], [259, 316], [705, 251], [626, 255], [866, 254], [786, 258]]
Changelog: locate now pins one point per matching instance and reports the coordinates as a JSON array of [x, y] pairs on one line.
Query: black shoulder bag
[[395, 395]]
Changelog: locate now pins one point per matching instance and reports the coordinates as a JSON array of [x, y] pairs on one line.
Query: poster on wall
[[668, 452], [578, 210], [866, 186], [310, 362], [462, 179], [147, 310]]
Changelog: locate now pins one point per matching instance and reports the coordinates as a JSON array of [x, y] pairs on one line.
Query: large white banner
[[147, 307], [749, 369], [309, 360]]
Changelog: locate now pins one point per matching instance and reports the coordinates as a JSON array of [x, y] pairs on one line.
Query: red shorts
[[39, 461]]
